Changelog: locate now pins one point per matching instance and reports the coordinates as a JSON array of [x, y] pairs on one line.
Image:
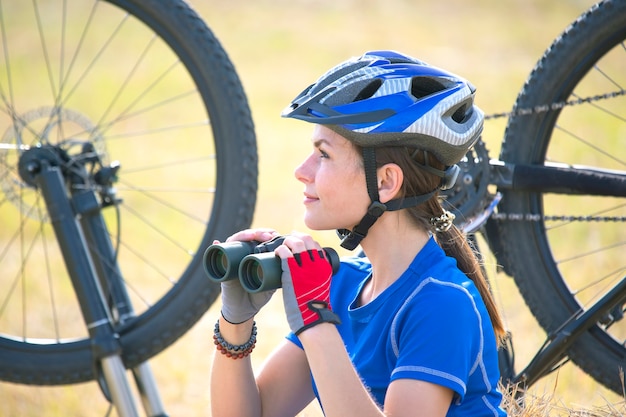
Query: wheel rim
[[90, 73]]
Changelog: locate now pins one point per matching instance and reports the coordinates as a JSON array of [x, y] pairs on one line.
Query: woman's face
[[335, 193]]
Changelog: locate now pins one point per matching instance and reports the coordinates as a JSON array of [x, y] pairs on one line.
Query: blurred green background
[[279, 47]]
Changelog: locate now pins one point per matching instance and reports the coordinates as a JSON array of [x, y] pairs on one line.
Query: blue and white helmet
[[385, 98]]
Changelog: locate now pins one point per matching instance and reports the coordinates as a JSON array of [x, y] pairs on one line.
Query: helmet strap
[[371, 178], [350, 239]]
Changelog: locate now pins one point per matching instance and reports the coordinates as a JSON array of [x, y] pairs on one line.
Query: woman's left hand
[[305, 281]]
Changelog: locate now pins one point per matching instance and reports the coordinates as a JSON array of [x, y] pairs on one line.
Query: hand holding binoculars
[[253, 262]]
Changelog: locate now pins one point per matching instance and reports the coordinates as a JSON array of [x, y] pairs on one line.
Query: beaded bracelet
[[234, 351]]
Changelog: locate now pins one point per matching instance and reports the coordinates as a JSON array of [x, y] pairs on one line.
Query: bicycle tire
[[555, 263], [168, 100]]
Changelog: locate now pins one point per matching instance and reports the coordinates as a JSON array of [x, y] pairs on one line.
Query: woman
[[411, 328]]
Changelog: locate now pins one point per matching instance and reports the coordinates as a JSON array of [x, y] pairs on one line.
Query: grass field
[[278, 48]]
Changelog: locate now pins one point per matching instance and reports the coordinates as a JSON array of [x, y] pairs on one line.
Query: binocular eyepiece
[[253, 262]]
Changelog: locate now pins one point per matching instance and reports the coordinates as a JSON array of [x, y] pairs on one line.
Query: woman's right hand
[[238, 305]]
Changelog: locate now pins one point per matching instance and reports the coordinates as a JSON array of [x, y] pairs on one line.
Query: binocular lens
[[216, 263], [251, 274], [221, 261], [260, 272]]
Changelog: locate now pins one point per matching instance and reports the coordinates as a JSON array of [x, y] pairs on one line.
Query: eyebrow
[[317, 143]]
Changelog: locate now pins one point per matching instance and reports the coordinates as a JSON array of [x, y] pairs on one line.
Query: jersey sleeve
[[437, 336]]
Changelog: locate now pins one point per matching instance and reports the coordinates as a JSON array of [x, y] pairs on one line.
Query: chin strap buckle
[[350, 239]]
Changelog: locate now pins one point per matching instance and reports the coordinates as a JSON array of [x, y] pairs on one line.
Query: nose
[[303, 172]]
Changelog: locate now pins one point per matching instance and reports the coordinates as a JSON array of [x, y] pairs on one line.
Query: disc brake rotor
[[44, 126]]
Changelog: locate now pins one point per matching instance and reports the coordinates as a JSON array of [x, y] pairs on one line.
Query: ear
[[390, 178]]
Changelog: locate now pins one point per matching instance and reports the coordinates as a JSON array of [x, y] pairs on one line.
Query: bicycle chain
[[529, 217], [556, 106]]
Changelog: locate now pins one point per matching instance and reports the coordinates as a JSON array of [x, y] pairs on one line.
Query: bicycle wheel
[[145, 82], [562, 266]]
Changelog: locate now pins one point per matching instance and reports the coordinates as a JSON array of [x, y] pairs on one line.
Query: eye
[[323, 154]]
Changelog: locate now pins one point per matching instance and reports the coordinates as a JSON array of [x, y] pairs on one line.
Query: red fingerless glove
[[306, 290]]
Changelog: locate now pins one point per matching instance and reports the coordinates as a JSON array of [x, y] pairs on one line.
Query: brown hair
[[418, 181]]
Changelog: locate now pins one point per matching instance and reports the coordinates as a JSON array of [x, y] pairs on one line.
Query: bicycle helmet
[[385, 98]]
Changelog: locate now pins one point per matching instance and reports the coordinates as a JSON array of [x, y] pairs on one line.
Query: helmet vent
[[336, 74], [461, 113], [369, 90], [424, 86]]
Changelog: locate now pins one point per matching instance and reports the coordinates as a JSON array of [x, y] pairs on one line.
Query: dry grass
[[532, 404]]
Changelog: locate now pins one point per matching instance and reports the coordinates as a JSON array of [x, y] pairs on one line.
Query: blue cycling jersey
[[431, 325]]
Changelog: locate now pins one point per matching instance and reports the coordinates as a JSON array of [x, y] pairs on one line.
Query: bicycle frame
[[558, 178], [555, 348], [554, 178], [90, 260]]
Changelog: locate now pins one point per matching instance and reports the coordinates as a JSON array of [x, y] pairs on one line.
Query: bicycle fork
[[83, 267]]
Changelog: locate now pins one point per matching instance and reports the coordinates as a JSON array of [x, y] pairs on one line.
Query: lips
[[308, 198]]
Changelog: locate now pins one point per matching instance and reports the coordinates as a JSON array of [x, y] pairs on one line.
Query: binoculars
[[253, 262]]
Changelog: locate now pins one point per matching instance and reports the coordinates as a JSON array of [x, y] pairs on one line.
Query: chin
[[323, 223], [316, 225]]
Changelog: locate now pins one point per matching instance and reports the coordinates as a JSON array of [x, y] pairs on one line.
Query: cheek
[[347, 193], [343, 196]]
